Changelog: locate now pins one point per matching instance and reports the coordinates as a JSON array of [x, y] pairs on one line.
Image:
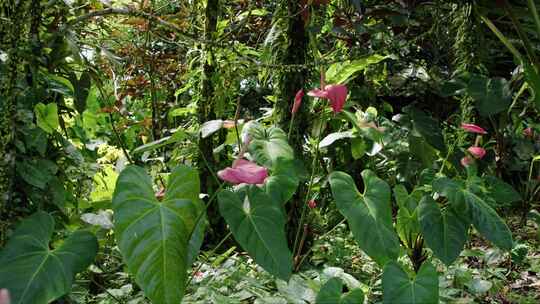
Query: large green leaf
[[36, 274], [340, 72], [258, 225], [445, 232], [154, 237], [82, 89], [465, 201], [488, 222], [369, 214], [500, 191], [421, 150], [400, 288], [269, 145], [282, 184], [407, 224], [427, 127], [47, 116], [37, 172], [332, 293], [491, 95], [533, 80]]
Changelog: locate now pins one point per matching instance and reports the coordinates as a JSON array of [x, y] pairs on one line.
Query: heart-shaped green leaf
[[488, 222], [82, 89], [501, 191], [47, 116], [282, 184], [400, 288], [445, 232], [269, 145], [427, 127], [471, 205], [258, 225], [332, 293], [154, 237], [369, 214], [407, 224], [35, 274]]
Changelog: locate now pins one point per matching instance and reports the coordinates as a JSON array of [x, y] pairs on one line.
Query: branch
[[128, 12]]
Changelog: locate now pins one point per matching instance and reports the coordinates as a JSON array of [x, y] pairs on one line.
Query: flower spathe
[[477, 152], [336, 93], [244, 172], [4, 296], [528, 132], [473, 128], [467, 161], [297, 101]]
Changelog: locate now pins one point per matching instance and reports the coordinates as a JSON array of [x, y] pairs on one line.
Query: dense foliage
[[288, 151]]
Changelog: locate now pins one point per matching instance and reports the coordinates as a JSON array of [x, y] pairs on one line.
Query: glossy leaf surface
[[154, 236], [36, 274], [258, 225], [400, 288], [369, 214]]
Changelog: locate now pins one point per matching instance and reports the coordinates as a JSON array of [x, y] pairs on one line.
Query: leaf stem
[[308, 194], [207, 258]]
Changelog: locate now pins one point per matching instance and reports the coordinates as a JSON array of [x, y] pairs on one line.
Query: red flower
[[473, 128], [467, 161], [244, 172], [477, 152], [528, 132], [297, 101], [4, 296], [312, 204], [160, 194], [336, 93]]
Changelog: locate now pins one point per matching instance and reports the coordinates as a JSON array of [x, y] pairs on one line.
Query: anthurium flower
[[160, 194], [244, 172], [473, 128], [312, 204], [4, 296], [477, 152], [336, 93], [529, 133], [467, 161], [297, 101]]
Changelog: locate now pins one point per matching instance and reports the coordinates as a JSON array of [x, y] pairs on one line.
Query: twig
[[127, 12], [208, 257]]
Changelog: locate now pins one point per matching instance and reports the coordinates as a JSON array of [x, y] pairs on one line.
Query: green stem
[[310, 186], [321, 237], [534, 12], [522, 35], [501, 36], [208, 257], [290, 127]]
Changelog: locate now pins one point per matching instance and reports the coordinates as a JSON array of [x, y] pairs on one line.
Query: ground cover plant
[[289, 151]]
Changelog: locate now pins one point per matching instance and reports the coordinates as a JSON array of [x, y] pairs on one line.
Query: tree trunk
[[13, 29], [206, 112], [292, 80]]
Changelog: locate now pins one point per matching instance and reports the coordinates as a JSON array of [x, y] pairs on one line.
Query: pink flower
[[160, 194], [467, 161], [312, 204], [336, 93], [477, 152], [228, 124], [297, 101], [4, 296], [473, 128], [244, 172], [529, 133]]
